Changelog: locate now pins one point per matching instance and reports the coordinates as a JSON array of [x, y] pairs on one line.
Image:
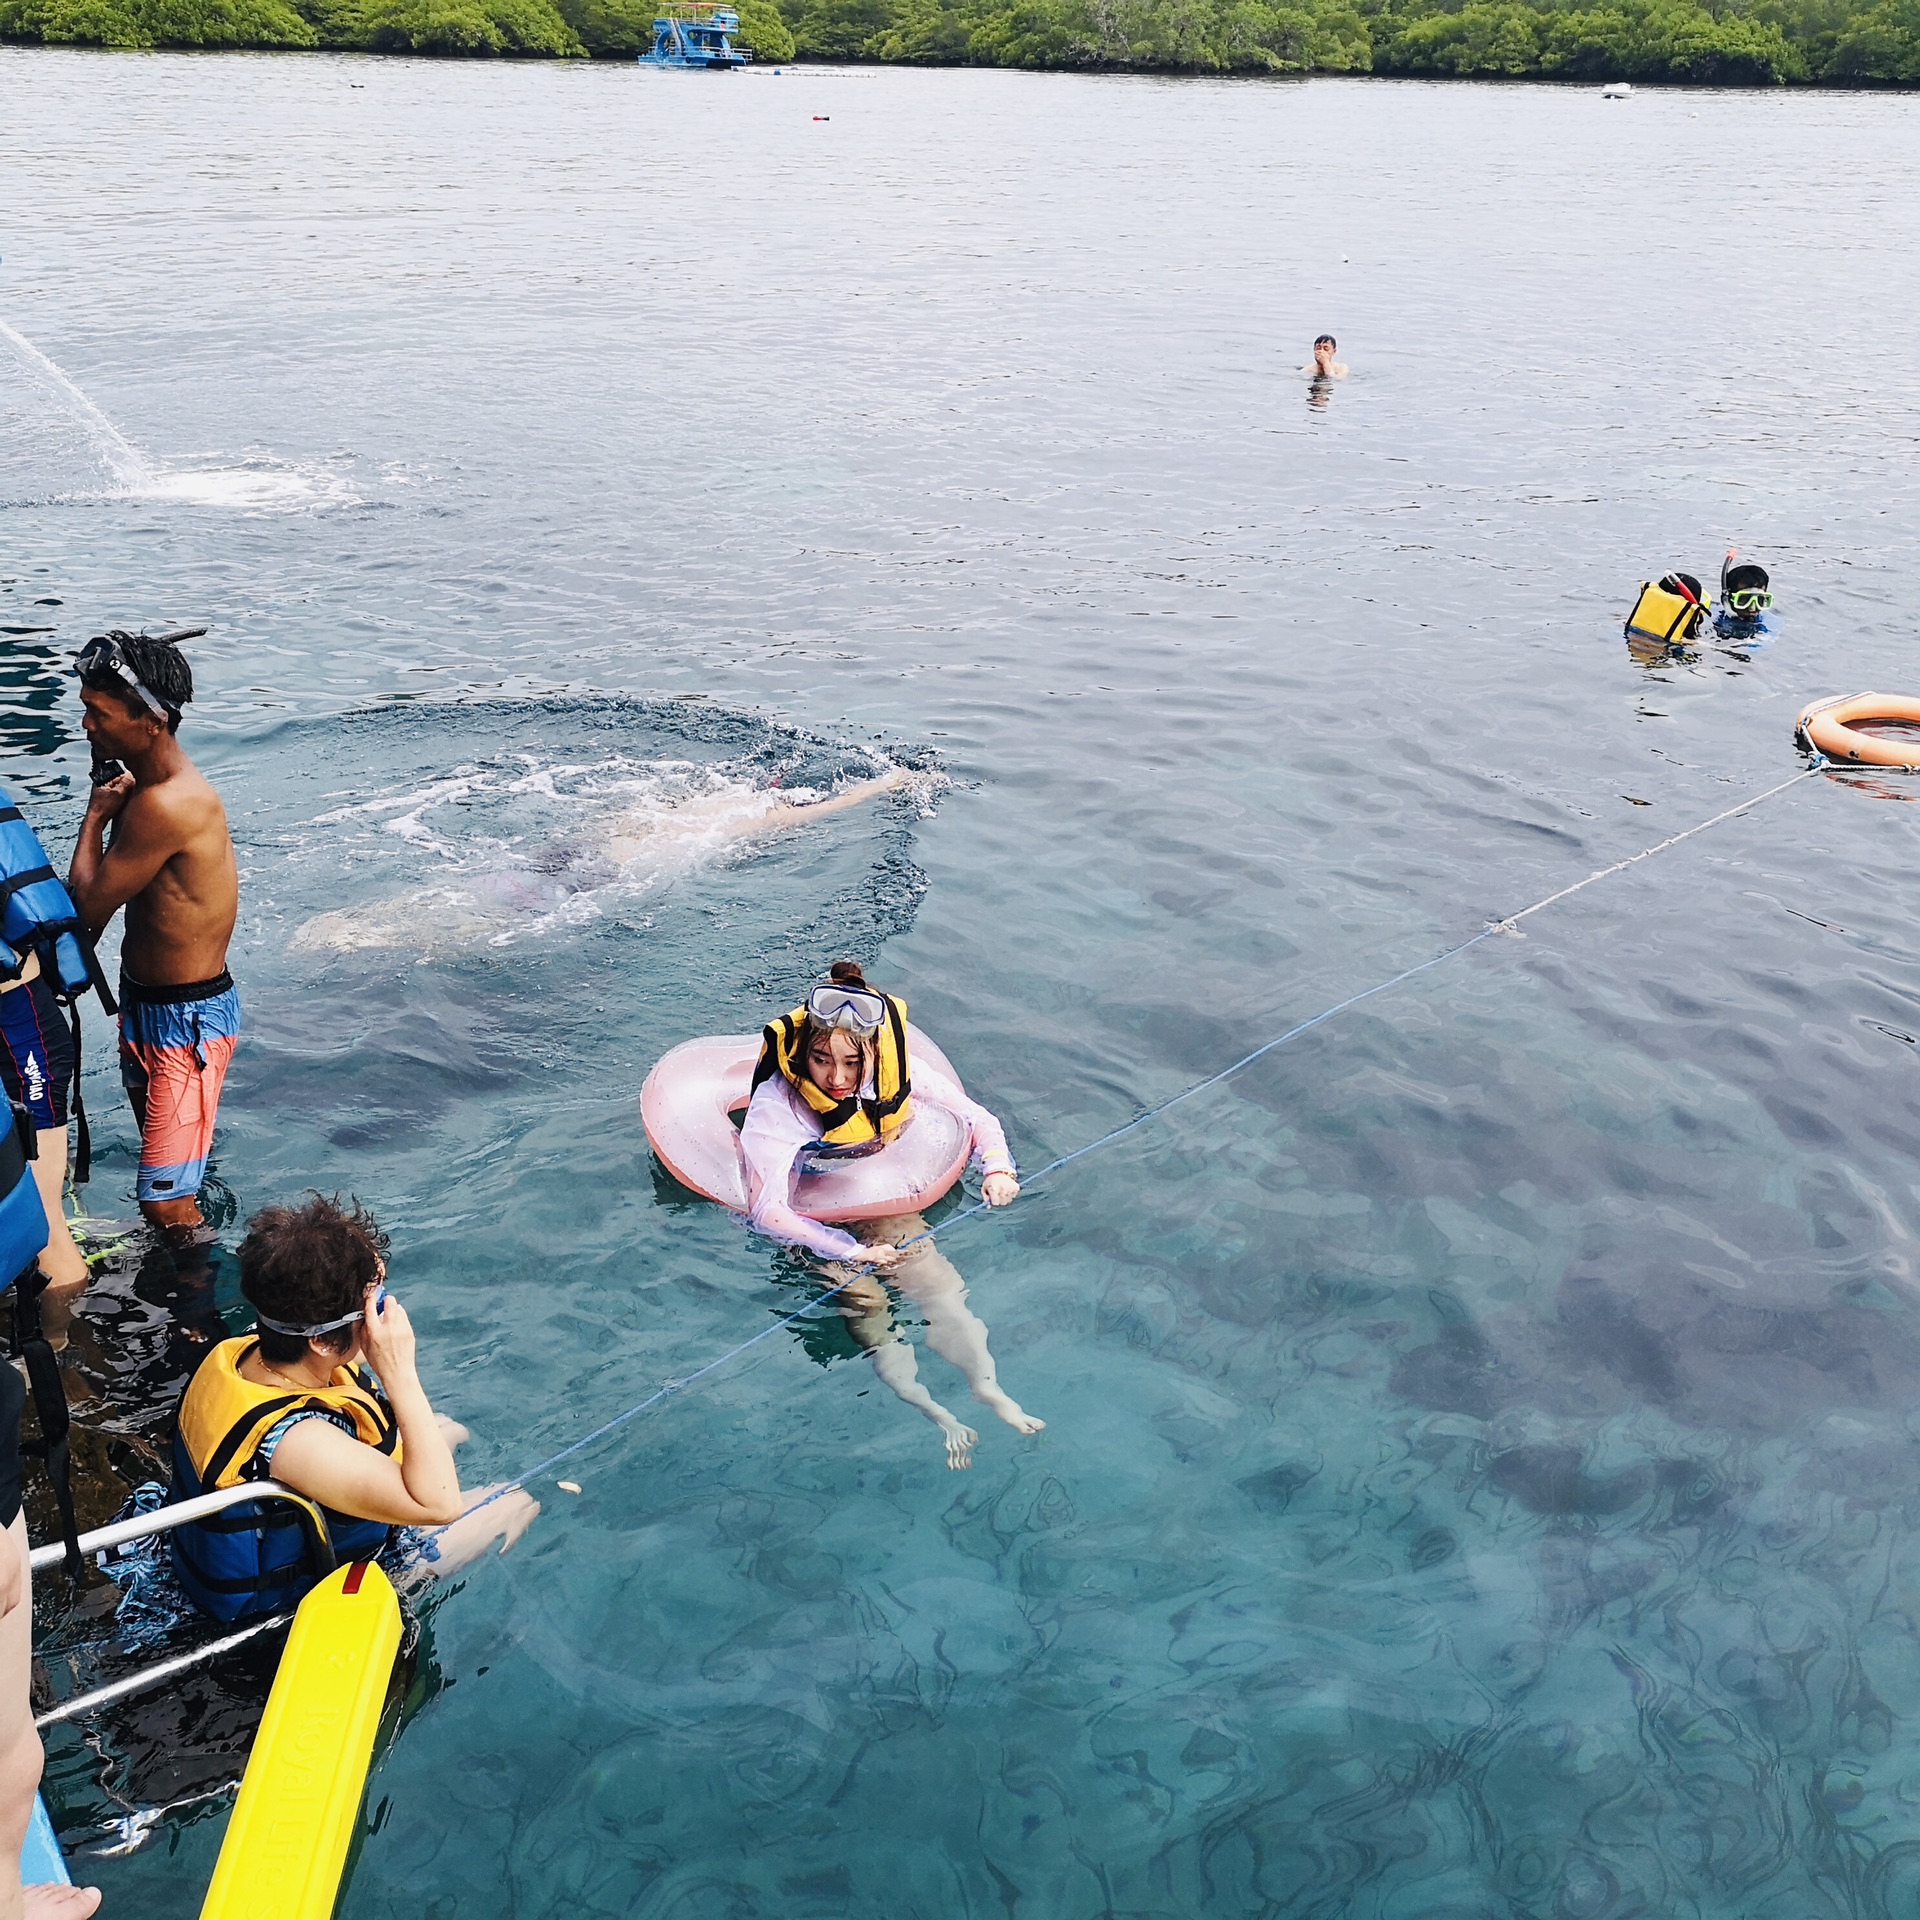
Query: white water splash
[[248, 485], [127, 467], [253, 486]]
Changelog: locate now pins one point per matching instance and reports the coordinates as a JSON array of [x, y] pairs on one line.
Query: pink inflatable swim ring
[[687, 1108]]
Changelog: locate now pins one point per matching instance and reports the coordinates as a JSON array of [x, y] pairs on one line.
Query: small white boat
[[1616, 90]]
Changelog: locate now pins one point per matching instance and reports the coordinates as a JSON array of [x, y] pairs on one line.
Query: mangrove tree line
[[1711, 42]]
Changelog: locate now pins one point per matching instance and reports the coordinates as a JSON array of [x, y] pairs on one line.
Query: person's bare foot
[[961, 1442], [1011, 1412], [52, 1901]]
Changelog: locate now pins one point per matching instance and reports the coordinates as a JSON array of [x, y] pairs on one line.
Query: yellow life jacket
[[252, 1559], [854, 1121], [224, 1416], [1663, 615]]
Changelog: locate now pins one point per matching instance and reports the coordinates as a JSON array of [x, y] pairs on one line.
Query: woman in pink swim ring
[[835, 1082]]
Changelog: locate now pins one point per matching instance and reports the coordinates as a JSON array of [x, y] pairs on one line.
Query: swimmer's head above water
[[1325, 366], [1746, 591]]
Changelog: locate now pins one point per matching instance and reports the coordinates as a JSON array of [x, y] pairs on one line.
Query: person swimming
[[640, 844], [834, 1079], [1323, 365]]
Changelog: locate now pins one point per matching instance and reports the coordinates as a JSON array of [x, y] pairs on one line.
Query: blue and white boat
[[697, 37]]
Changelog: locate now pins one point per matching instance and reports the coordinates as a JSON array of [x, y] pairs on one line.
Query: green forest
[[1836, 43]]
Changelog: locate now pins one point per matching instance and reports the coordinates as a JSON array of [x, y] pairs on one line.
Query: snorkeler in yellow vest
[[1669, 611], [852, 1124]]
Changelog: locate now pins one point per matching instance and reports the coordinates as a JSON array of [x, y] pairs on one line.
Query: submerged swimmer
[[835, 1080], [475, 906]]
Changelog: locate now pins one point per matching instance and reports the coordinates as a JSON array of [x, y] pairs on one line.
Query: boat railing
[[143, 1526], [321, 1560]]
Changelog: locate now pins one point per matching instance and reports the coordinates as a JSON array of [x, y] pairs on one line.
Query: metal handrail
[[164, 1519], [320, 1555], [152, 1676]]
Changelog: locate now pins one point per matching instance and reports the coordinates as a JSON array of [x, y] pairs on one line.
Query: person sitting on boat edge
[[834, 1078], [295, 1402]]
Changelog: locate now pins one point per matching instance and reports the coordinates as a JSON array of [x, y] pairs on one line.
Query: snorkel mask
[[1745, 591], [103, 664], [849, 1009]]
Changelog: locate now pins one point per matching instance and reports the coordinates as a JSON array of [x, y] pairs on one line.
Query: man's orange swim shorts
[[175, 1044]]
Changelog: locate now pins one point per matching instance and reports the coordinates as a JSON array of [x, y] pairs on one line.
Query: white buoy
[[1616, 90]]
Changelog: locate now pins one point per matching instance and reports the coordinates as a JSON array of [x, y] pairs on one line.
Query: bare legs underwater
[[955, 1332]]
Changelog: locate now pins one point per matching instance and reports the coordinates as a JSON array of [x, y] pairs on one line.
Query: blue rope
[[1507, 926]]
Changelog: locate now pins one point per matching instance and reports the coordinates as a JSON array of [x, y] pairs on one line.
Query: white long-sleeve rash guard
[[779, 1123]]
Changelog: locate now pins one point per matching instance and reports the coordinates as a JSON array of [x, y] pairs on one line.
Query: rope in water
[[1509, 926]]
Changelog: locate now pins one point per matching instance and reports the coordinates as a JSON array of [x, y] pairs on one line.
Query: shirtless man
[[1325, 366], [169, 861]]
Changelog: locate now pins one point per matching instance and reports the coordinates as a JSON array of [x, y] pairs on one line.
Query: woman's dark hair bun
[[846, 973]]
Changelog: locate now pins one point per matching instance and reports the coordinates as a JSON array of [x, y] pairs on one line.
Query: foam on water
[[250, 486]]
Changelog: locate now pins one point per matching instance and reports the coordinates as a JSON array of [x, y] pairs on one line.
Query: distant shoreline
[[1650, 43]]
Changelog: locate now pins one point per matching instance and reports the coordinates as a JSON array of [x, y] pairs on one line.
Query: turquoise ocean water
[[1482, 1438]]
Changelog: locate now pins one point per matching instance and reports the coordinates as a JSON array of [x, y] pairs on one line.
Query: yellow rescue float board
[[286, 1845]]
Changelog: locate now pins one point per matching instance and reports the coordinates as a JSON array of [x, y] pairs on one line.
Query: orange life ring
[[1830, 727]]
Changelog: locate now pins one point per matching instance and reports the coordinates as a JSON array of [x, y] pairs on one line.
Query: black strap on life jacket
[[253, 1425], [879, 1110], [31, 877], [97, 979]]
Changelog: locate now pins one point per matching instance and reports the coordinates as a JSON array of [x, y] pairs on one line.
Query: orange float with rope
[[1841, 728]]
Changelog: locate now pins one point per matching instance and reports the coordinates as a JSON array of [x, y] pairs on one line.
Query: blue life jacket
[[252, 1559], [23, 1219], [37, 915]]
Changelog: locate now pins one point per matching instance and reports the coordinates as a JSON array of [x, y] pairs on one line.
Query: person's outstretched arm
[[799, 812], [422, 1487]]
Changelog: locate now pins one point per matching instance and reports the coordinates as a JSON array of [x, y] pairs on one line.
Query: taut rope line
[[1510, 925]]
